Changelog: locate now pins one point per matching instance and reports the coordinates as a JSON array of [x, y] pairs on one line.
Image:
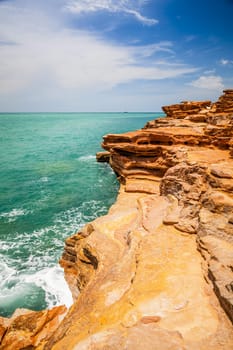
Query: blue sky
[[108, 55]]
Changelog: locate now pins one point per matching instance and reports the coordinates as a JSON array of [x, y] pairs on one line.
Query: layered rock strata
[[181, 110], [225, 102], [156, 272]]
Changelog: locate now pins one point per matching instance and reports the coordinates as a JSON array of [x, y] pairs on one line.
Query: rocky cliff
[[156, 272]]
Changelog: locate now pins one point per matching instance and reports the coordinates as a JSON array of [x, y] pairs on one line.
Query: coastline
[[154, 272], [51, 185]]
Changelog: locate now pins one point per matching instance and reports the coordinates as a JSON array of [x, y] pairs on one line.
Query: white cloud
[[68, 59], [210, 82], [150, 49], [78, 60], [49, 67], [226, 62], [123, 6], [210, 71], [190, 38]]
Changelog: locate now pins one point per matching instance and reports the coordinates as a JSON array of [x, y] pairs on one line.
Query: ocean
[[50, 186]]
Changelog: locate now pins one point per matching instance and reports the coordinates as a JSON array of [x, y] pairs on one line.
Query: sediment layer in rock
[[185, 108], [156, 272]]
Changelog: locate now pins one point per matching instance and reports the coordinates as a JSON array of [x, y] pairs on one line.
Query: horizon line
[[124, 112]]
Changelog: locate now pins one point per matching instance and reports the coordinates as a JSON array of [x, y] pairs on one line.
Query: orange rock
[[27, 329], [150, 319], [143, 283], [186, 108]]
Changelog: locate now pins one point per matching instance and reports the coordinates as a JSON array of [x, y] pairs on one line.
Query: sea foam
[[52, 281], [87, 158], [26, 288], [12, 215]]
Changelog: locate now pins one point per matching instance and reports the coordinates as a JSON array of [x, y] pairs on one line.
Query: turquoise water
[[50, 186]]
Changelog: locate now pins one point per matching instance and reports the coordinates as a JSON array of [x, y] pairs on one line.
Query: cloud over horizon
[[57, 55], [77, 59]]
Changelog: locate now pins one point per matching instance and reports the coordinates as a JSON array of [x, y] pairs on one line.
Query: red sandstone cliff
[[156, 272]]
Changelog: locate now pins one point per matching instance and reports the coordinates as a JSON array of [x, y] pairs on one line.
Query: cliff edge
[[156, 272]]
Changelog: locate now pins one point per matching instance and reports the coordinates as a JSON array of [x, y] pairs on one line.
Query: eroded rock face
[[153, 272], [186, 108], [225, 102], [27, 329], [149, 290], [156, 272]]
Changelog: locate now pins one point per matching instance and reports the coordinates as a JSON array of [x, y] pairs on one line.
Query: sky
[[113, 55]]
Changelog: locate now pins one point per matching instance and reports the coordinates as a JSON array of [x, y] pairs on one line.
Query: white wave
[[22, 279], [16, 287], [34, 263], [87, 157], [73, 219], [44, 179], [14, 214], [7, 274], [52, 281]]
